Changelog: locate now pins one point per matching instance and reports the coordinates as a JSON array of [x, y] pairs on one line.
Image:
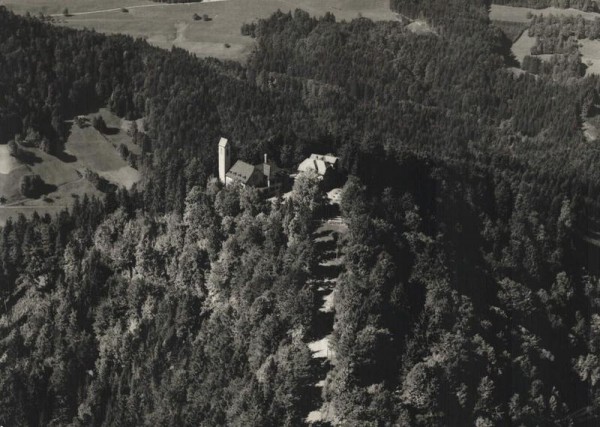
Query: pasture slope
[[85, 149], [519, 14], [589, 49], [169, 24]]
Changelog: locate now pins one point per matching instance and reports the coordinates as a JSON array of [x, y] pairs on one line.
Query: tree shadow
[[325, 246], [111, 131], [583, 69], [65, 157], [512, 61], [42, 190], [312, 398], [28, 157], [322, 323], [593, 111], [328, 210], [328, 271]]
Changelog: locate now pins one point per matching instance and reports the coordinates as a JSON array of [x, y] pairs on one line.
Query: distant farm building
[[266, 175]]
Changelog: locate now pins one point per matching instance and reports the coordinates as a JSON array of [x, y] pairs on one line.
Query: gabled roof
[[241, 171], [327, 158], [254, 175], [319, 166], [320, 163], [267, 169]]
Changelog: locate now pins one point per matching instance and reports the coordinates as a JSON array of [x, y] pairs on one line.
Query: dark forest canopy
[[467, 296]]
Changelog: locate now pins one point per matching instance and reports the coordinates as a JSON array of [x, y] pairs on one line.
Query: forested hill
[[49, 74], [466, 297], [446, 96]]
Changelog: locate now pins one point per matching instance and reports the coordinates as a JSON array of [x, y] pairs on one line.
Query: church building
[[265, 175]]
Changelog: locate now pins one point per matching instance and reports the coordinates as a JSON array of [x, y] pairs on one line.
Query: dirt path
[[118, 9], [330, 266]]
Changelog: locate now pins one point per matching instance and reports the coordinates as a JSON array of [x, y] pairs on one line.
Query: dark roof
[[267, 169], [241, 171], [256, 175]]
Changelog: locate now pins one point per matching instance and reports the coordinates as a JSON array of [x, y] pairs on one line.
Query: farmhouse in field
[[266, 175]]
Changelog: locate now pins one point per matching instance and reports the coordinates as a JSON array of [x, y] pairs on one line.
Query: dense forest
[[559, 34], [468, 293], [564, 27]]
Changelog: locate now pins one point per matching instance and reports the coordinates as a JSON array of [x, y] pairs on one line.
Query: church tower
[[224, 158]]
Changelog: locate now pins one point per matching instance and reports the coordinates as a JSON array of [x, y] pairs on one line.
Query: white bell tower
[[224, 158]]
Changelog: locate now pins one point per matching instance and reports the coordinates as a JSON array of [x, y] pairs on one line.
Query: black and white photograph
[[279, 213]]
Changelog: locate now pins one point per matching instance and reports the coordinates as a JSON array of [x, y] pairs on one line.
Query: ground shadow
[[29, 158], [322, 324], [111, 131], [321, 366], [313, 396], [331, 210], [42, 190], [593, 111], [65, 157], [326, 247], [328, 271]]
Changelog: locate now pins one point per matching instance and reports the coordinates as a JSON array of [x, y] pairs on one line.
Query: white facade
[[224, 159], [321, 164]]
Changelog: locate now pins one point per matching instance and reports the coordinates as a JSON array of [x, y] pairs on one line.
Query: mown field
[[86, 148], [167, 25], [519, 14]]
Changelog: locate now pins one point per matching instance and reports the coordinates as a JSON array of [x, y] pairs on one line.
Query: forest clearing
[[505, 16], [172, 24], [523, 14], [63, 174]]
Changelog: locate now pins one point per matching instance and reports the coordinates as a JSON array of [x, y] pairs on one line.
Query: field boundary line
[[118, 9]]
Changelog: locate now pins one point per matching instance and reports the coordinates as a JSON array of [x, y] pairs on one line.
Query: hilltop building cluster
[[267, 176]]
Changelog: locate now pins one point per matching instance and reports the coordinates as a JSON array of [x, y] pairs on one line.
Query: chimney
[[265, 158]]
